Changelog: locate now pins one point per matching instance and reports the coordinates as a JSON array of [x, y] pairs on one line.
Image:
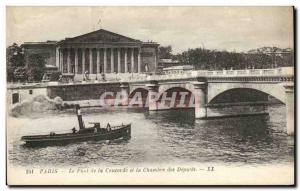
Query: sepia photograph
[[150, 95]]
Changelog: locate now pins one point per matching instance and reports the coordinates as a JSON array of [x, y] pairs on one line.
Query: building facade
[[97, 52]]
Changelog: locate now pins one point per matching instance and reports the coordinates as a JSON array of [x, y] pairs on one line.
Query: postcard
[[147, 95]]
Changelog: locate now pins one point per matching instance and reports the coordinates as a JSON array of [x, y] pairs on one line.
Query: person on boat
[[74, 130], [108, 127]]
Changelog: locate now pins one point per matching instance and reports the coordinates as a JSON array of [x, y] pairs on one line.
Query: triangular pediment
[[99, 36]]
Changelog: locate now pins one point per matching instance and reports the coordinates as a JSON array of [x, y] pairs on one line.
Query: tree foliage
[[35, 67], [218, 60], [165, 52], [14, 60], [20, 74]]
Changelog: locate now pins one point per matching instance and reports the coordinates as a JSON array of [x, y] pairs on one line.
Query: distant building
[[271, 51], [177, 69], [165, 63], [96, 52]]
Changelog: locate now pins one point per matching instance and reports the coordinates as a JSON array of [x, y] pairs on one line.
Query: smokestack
[[80, 122]]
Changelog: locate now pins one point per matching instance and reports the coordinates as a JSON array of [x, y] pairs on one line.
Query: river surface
[[163, 137]]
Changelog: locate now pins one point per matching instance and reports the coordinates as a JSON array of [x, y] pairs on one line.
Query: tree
[[35, 67], [20, 74], [265, 57], [165, 52], [14, 59]]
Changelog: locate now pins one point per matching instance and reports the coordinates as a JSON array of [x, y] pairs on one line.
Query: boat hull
[[64, 139]]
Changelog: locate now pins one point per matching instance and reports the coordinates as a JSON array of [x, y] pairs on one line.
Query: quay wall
[[75, 92], [18, 95]]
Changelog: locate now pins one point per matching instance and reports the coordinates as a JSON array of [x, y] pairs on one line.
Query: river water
[[163, 137]]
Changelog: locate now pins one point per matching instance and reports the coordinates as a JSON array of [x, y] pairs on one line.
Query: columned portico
[[119, 61], [69, 60], [122, 60], [125, 60], [90, 60], [98, 61], [104, 52], [83, 60], [139, 60], [105, 62], [61, 60], [76, 60], [112, 62], [132, 60], [57, 57]]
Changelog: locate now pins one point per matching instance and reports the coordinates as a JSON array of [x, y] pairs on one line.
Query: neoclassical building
[[96, 52]]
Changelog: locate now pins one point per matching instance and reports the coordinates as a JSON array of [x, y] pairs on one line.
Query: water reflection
[[163, 137]]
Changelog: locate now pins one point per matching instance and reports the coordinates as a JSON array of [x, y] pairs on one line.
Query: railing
[[276, 72], [127, 77]]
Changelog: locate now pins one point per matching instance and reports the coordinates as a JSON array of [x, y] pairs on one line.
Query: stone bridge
[[206, 86]]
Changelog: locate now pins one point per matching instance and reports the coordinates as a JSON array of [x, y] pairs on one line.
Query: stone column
[[125, 60], [139, 60], [119, 61], [98, 61], [156, 60], [289, 93], [200, 100], [69, 61], [132, 60], [61, 61], [91, 61], [76, 60], [57, 57], [105, 61], [112, 64], [83, 60], [125, 93], [152, 96]]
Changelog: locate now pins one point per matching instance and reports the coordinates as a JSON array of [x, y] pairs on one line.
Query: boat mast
[[80, 122]]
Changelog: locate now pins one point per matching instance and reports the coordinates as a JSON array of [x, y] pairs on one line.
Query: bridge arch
[[275, 90], [142, 90], [187, 86], [139, 97], [176, 97]]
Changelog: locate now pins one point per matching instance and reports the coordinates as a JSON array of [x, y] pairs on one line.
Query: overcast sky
[[222, 28]]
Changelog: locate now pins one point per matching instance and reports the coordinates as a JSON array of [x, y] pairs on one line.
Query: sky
[[222, 28]]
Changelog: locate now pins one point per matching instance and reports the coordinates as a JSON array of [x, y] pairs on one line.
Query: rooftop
[[182, 67]]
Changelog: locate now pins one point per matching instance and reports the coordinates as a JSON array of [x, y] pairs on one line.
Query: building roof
[[47, 43], [182, 67], [98, 36], [168, 61], [49, 66]]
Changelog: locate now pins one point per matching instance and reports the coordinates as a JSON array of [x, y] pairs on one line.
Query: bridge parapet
[[283, 71], [276, 74]]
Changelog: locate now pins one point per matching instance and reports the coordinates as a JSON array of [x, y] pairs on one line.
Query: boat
[[94, 133]]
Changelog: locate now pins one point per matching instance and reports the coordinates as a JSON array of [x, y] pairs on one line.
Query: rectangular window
[[15, 98], [30, 92]]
